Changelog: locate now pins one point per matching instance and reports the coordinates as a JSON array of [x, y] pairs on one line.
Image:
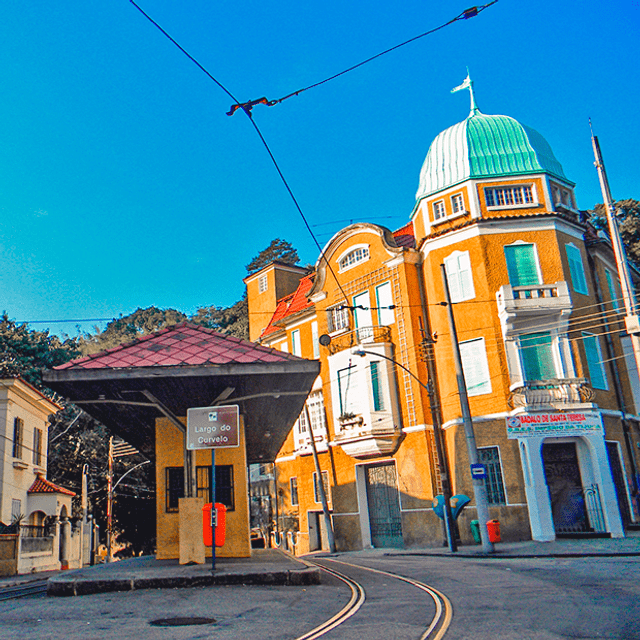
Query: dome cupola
[[483, 146]]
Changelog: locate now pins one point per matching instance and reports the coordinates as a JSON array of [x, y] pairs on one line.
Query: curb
[[498, 556], [67, 586]]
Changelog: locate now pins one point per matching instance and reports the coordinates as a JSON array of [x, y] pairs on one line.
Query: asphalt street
[[537, 598]]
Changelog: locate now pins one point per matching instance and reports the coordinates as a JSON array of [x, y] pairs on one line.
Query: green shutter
[[378, 402], [576, 268], [597, 375], [522, 265], [536, 350]]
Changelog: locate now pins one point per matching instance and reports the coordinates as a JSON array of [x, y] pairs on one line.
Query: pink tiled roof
[[42, 485], [290, 305], [181, 344], [405, 236]]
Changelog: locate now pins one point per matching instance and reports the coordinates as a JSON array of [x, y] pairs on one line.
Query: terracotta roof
[[290, 305], [405, 236], [181, 344], [42, 485]]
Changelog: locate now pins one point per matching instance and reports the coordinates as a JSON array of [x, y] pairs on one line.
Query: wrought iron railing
[[361, 335], [580, 512]]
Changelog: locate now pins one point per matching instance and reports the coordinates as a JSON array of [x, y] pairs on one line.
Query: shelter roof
[[185, 366]]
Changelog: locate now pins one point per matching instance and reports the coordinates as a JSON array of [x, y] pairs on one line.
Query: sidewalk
[[563, 547], [265, 567]]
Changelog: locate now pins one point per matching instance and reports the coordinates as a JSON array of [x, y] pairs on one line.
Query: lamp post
[[437, 431]]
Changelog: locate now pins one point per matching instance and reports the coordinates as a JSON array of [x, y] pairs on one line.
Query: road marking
[[442, 603], [355, 602]]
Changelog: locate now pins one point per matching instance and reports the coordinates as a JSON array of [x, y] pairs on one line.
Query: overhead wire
[[248, 106]]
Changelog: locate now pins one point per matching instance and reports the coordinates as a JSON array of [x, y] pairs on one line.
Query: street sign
[[213, 427], [478, 471]]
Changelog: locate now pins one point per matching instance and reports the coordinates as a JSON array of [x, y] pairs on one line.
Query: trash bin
[[475, 531], [220, 524], [493, 527]]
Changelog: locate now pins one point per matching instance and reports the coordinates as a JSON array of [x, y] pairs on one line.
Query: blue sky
[[123, 184]]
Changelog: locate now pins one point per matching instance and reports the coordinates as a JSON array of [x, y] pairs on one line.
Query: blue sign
[[478, 471]]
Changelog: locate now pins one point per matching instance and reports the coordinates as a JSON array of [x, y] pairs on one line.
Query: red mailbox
[[220, 524], [493, 529]]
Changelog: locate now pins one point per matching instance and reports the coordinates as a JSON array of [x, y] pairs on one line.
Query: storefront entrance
[[384, 506], [565, 487]]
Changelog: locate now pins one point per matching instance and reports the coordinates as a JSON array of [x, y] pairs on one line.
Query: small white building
[[44, 539]]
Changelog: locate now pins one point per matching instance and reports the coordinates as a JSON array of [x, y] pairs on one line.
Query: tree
[[233, 320], [27, 353], [628, 216], [279, 250], [126, 329]]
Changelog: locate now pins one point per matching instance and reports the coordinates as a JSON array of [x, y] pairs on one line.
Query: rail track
[[435, 630], [36, 588]]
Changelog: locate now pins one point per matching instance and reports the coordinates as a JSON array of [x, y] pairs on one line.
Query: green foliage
[[233, 320], [27, 353], [628, 216], [128, 328], [279, 250]]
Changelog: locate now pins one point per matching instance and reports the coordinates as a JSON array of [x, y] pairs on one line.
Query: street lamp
[[437, 432]]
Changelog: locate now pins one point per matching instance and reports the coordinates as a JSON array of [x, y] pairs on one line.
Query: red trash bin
[[493, 529], [221, 524]]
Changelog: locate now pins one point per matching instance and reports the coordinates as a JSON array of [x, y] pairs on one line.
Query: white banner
[[529, 425]]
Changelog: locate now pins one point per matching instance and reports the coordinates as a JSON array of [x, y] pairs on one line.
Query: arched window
[[353, 257]]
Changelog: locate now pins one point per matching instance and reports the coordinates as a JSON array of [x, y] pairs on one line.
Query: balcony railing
[[556, 393], [361, 335], [361, 440], [539, 297]]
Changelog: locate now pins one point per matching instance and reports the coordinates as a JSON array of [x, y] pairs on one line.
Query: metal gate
[[384, 507], [576, 510]]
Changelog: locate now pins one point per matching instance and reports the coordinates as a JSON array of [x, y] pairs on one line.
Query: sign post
[[213, 428]]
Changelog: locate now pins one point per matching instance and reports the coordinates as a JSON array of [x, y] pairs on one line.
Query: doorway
[[385, 520], [619, 482], [564, 481]]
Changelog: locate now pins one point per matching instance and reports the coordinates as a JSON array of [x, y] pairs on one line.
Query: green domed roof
[[482, 147]]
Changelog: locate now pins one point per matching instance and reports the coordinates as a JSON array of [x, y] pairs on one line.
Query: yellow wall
[[169, 453]]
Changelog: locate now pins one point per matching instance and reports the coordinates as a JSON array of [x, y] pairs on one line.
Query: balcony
[[361, 440], [361, 335], [534, 299], [560, 393]]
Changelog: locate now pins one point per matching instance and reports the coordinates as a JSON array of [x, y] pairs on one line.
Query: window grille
[[505, 196], [359, 254], [337, 319], [494, 484], [457, 203]]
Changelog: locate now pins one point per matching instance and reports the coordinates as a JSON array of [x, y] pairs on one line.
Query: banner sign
[[529, 425], [213, 427]]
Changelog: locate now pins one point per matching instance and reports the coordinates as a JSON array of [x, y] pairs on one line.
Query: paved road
[[544, 599]]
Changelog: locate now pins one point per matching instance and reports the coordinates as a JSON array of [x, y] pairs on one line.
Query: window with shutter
[[376, 387], [576, 268], [475, 367], [458, 268], [384, 302], [597, 374], [536, 351], [522, 265]]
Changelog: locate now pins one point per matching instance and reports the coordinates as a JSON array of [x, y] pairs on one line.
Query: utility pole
[[631, 320], [321, 491], [479, 489], [109, 498]]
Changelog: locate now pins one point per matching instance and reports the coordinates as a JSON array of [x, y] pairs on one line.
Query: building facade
[[39, 510], [550, 374]]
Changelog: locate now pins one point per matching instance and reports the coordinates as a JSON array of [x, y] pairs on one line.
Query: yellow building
[[551, 380]]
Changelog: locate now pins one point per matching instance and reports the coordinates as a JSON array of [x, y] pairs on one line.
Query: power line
[[465, 15]]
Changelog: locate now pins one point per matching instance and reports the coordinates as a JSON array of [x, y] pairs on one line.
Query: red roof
[[181, 344], [405, 236], [290, 305], [42, 485]]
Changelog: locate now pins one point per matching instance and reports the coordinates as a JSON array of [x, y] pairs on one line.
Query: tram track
[[436, 629], [36, 588]]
